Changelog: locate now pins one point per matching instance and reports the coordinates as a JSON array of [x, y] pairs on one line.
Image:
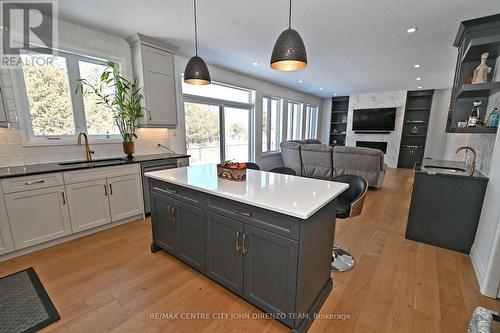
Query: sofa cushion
[[309, 141], [290, 153], [316, 161], [362, 151]]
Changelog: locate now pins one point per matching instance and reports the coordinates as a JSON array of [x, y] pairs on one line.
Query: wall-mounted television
[[376, 120]]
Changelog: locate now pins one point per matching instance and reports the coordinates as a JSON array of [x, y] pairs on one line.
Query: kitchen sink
[[91, 164], [450, 169]]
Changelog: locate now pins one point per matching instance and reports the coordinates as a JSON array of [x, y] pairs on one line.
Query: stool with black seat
[[284, 171], [252, 166], [349, 204]]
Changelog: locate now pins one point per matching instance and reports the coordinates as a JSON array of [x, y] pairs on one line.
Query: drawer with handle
[[178, 192], [261, 218], [17, 184]]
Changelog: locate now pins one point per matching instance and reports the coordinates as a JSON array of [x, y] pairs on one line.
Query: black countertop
[[35, 169], [428, 164]]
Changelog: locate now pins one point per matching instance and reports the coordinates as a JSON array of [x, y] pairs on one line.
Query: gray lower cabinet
[[270, 271], [178, 229], [223, 251], [190, 234], [164, 230]]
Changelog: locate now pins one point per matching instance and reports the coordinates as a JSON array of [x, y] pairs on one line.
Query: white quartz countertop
[[291, 195]]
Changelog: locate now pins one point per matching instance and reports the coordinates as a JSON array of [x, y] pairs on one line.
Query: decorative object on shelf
[[480, 74], [344, 119], [462, 124], [122, 97], [233, 171], [335, 130], [289, 52], [196, 71], [493, 119], [334, 142], [474, 114], [415, 130]]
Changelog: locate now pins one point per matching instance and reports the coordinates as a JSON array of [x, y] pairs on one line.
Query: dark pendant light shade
[[289, 52], [196, 71]]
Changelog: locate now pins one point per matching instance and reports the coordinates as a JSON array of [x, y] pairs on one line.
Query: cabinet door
[[191, 235], [224, 258], [159, 87], [125, 197], [88, 204], [6, 243], [270, 271], [164, 229], [38, 216]]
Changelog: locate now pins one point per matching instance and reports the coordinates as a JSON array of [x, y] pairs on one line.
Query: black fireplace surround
[[373, 144]]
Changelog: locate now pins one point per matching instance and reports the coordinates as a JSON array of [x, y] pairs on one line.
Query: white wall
[[262, 88], [485, 252], [379, 100], [436, 136], [324, 121]]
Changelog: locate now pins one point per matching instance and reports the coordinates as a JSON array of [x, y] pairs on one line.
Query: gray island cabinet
[[268, 239]]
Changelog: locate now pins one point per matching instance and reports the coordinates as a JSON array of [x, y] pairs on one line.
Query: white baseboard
[[38, 247], [477, 265]]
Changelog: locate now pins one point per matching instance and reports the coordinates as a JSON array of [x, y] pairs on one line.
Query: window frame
[[77, 103], [309, 126], [291, 120], [221, 104], [278, 134]]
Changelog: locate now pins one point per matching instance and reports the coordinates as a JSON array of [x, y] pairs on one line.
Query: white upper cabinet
[[153, 63], [6, 244]]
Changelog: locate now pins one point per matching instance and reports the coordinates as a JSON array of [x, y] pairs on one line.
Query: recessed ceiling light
[[418, 79], [419, 87], [301, 81], [320, 88], [334, 94], [411, 30], [255, 63], [416, 66]]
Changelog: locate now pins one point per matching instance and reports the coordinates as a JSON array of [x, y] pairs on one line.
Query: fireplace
[[373, 144]]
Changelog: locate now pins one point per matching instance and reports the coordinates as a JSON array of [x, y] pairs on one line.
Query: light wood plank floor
[[110, 281]]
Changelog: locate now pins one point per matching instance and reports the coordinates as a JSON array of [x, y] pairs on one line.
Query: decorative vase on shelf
[[414, 130], [493, 119], [129, 148], [480, 74]]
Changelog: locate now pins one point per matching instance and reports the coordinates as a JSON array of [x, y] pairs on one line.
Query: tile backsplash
[[12, 151]]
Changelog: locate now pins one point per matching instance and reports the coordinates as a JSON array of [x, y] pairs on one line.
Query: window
[[271, 120], [218, 129], [311, 128], [55, 112], [295, 121]]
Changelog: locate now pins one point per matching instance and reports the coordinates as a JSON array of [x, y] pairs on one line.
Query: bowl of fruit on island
[[232, 171]]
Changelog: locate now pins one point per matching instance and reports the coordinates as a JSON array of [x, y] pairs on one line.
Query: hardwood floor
[[110, 281]]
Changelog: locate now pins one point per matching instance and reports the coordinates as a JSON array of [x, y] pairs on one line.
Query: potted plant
[[122, 97]]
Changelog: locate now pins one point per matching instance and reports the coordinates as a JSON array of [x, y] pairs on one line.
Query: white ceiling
[[352, 46]]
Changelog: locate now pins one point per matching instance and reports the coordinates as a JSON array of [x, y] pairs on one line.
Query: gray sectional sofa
[[310, 158]]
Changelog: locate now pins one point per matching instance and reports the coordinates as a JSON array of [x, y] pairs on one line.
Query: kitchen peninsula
[[267, 239]]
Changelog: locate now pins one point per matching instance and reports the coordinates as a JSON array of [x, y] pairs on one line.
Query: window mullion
[[222, 134], [76, 98], [268, 124]]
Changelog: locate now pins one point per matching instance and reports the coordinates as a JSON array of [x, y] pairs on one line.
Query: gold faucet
[[474, 153], [88, 152]]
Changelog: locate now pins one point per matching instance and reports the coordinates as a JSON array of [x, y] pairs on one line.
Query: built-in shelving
[[416, 122], [338, 122], [474, 38]]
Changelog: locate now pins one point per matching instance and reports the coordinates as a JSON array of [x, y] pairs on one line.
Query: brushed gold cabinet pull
[[244, 247], [240, 212], [173, 215], [238, 247], [169, 190]]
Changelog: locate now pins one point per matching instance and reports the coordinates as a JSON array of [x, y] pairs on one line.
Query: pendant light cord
[[195, 30], [290, 16]]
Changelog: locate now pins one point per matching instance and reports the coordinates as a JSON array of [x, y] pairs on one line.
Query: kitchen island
[[268, 239]]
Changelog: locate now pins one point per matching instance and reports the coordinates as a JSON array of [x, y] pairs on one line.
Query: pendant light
[[196, 71], [289, 52]]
